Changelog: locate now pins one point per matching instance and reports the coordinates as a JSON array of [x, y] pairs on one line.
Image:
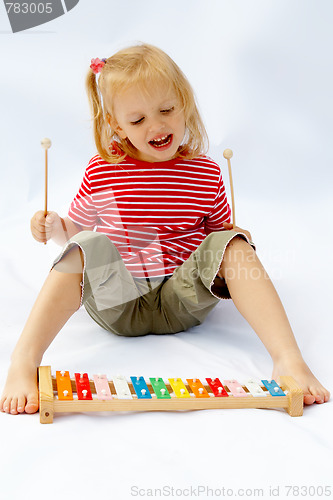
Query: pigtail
[[103, 132]]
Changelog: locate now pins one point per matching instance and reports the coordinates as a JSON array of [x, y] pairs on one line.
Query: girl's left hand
[[229, 227]]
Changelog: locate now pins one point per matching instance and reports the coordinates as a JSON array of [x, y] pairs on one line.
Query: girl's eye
[[165, 111], [137, 121]]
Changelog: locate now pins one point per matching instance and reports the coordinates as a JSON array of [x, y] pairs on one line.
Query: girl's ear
[[114, 125]]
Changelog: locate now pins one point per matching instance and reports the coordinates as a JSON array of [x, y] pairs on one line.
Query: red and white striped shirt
[[156, 214]]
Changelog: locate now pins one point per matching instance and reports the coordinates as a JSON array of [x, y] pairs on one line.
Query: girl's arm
[[54, 227]]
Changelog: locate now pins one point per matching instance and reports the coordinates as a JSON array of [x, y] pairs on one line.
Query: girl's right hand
[[43, 228], [228, 226]]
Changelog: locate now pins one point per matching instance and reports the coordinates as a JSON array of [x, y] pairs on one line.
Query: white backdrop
[[262, 73]]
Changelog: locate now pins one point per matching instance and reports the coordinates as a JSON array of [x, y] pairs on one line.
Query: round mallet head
[[46, 143], [227, 153]]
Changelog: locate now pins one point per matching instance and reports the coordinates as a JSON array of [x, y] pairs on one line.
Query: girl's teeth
[[162, 141]]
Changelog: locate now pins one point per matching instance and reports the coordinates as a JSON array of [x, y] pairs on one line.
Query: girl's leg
[[58, 299], [257, 300]]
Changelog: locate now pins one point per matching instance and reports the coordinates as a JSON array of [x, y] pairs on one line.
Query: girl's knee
[[238, 241], [237, 252], [71, 262]]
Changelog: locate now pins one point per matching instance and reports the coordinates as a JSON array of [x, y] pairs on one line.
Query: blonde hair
[[141, 65]]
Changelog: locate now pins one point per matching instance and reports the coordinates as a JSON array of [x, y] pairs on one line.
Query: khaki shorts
[[132, 307]]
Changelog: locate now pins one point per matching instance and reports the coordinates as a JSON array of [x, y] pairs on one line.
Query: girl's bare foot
[[313, 391], [20, 393]]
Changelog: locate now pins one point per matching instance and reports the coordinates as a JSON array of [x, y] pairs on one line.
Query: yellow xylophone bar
[[49, 403]]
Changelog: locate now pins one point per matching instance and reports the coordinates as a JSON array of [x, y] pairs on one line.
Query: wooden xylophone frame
[[292, 402]]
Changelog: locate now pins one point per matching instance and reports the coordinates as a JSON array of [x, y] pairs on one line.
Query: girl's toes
[[309, 399], [32, 404], [6, 405], [21, 404], [13, 406], [320, 396], [2, 400]]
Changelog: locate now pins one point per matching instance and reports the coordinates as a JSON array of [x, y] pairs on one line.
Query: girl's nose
[[156, 125]]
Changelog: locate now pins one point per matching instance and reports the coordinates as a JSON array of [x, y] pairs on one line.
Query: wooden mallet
[[46, 144], [227, 153]]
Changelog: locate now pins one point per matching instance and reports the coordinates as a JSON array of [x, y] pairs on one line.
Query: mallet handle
[[46, 144], [46, 172], [227, 153]]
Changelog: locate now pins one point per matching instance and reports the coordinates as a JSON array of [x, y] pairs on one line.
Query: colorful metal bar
[[179, 388], [255, 389], [160, 388], [217, 387], [197, 388], [64, 386], [141, 387], [235, 388], [122, 388], [82, 386], [273, 388], [102, 387]]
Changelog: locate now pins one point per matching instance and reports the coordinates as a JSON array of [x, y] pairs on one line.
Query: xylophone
[[81, 394]]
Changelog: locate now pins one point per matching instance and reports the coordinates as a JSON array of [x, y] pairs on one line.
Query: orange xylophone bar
[[81, 394]]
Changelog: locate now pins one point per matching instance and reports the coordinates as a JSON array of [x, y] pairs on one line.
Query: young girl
[[150, 246]]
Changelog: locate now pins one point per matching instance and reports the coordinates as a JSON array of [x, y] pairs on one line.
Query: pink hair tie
[[97, 64]]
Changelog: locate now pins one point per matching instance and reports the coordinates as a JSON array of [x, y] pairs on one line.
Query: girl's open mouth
[[162, 142]]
